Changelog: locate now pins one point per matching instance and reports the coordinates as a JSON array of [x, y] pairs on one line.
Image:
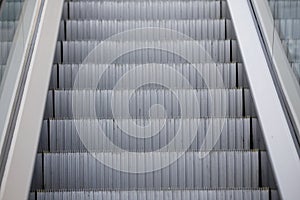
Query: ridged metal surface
[[158, 195], [237, 101], [101, 30], [155, 10], [75, 52], [232, 74], [267, 177], [200, 75], [63, 135], [219, 169]]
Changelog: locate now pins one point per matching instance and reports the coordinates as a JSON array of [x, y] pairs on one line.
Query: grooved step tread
[[229, 194]]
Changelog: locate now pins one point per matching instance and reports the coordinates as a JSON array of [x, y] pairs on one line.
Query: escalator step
[[195, 29], [199, 75], [133, 10], [230, 194], [76, 52], [177, 103], [220, 169], [65, 136]]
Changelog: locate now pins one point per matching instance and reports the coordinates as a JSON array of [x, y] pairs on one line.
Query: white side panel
[[18, 172], [281, 148]]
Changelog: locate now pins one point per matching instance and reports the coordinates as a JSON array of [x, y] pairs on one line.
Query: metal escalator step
[[275, 195], [134, 10], [198, 75], [220, 169], [65, 136], [257, 136], [44, 137], [37, 177], [76, 52], [267, 177], [232, 75], [61, 135], [177, 103], [32, 196], [230, 194], [195, 29]]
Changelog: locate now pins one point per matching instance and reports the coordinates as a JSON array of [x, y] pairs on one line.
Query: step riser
[[54, 135], [219, 169], [151, 52], [133, 10], [177, 103], [265, 172], [158, 195], [64, 136], [199, 76], [101, 30]]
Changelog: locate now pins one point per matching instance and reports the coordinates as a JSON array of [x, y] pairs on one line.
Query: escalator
[[149, 99], [73, 162]]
